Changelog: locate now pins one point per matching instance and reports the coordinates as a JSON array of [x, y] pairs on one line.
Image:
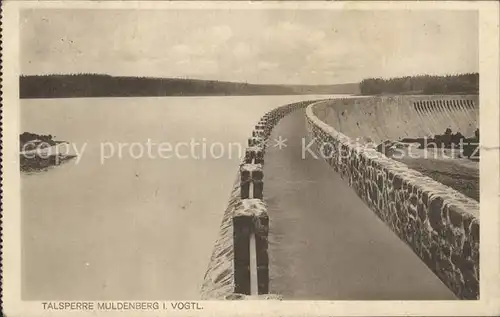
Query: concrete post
[[260, 133], [254, 155], [250, 217], [241, 239]]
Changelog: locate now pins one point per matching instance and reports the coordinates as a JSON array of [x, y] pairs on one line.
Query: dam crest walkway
[[324, 241]]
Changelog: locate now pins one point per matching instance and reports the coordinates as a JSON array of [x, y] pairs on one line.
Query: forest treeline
[[422, 84], [99, 85]]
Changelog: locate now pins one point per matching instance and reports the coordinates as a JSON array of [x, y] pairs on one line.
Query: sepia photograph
[[167, 155]]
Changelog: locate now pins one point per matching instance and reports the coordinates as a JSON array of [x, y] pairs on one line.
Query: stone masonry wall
[[438, 223], [220, 281]]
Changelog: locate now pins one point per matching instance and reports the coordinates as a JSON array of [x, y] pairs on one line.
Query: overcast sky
[[256, 46]]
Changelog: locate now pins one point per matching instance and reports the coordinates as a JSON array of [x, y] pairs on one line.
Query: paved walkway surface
[[325, 243]]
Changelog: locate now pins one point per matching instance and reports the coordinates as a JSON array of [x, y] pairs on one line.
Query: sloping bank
[[228, 272], [438, 223]]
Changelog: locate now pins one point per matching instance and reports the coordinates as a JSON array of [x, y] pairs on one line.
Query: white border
[[488, 304]]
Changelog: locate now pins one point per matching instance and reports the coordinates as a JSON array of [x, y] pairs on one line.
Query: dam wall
[[239, 265], [383, 118], [440, 224]]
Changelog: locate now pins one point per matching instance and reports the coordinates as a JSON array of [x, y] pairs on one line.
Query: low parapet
[[239, 266]]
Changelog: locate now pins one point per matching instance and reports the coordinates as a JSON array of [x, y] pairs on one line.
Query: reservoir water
[[118, 224]]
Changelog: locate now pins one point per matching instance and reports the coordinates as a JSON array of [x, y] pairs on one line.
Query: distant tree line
[[99, 85], [422, 84]]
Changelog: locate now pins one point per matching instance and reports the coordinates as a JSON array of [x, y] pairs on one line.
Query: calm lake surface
[[131, 226]]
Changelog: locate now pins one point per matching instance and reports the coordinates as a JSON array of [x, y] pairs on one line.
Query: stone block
[[261, 133], [251, 174], [245, 190], [455, 216], [435, 217], [258, 189], [256, 141], [254, 155]]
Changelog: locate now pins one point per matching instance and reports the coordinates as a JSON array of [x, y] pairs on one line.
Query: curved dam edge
[[219, 280], [409, 116], [438, 223]]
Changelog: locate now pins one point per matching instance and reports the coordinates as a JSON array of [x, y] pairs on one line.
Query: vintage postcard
[[233, 158]]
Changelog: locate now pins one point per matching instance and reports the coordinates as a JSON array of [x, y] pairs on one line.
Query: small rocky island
[[38, 152]]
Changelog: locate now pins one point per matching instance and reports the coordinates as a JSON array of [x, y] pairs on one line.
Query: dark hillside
[[96, 85]]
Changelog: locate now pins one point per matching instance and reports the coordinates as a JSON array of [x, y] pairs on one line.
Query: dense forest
[[98, 85], [422, 84]]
